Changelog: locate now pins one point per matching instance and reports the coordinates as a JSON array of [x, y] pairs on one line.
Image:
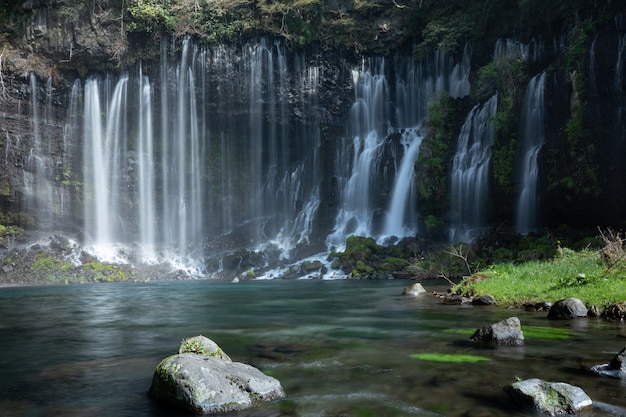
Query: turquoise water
[[339, 348]]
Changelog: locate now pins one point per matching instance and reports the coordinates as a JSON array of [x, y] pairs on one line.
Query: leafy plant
[[433, 165], [193, 345]]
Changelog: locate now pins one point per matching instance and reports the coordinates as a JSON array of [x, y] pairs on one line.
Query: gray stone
[[568, 308], [484, 300], [415, 289], [552, 398], [616, 368], [507, 332], [203, 380]]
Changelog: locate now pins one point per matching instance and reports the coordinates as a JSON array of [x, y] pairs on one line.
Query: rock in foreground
[[552, 398], [205, 384]]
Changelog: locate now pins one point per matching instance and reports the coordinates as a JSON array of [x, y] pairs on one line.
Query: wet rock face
[[70, 32]]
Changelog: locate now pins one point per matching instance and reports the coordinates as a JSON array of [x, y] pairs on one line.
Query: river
[[339, 348]]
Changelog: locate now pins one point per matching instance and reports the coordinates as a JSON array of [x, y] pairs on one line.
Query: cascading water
[[210, 169], [146, 174], [368, 125], [401, 220], [470, 172], [104, 162], [372, 122], [532, 140], [39, 159]]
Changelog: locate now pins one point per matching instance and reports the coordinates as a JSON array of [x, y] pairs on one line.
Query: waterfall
[[38, 174], [401, 218], [146, 175], [373, 123], [470, 172], [105, 162], [219, 170], [367, 125], [532, 140]]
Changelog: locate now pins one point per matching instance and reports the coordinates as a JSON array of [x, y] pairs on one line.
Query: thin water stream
[[340, 348]]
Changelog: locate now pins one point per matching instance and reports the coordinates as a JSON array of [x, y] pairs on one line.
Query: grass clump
[[595, 277]]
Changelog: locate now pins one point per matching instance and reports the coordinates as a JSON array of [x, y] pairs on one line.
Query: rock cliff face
[[302, 111]]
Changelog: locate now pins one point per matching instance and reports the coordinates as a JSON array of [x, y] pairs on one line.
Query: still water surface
[[339, 348]]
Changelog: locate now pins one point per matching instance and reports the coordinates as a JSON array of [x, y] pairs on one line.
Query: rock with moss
[[552, 398], [203, 380], [202, 345]]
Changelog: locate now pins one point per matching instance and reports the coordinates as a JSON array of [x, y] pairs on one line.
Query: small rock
[[552, 398], [594, 311], [568, 308], [415, 289], [616, 368], [615, 312], [456, 299], [507, 332], [538, 306], [484, 300]]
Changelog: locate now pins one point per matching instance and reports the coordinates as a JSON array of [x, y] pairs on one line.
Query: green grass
[[583, 275]]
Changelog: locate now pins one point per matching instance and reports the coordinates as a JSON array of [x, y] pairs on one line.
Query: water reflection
[[340, 348]]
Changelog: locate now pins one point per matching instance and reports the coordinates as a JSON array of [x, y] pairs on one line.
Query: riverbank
[[596, 277]]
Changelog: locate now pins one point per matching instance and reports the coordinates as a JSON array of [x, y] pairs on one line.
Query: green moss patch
[[449, 358]]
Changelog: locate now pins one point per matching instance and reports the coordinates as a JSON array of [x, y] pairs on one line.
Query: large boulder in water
[[507, 332], [414, 290], [204, 383], [568, 308], [552, 398]]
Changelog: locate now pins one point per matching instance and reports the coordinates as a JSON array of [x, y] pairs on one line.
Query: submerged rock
[[203, 380], [568, 308], [552, 398], [507, 332]]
